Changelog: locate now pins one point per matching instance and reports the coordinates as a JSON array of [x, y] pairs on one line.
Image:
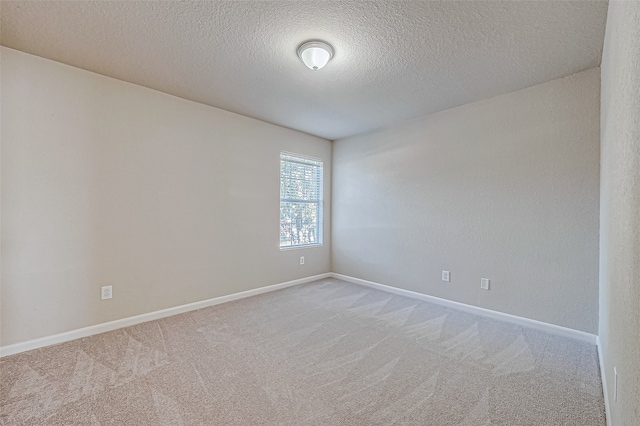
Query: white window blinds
[[300, 201]]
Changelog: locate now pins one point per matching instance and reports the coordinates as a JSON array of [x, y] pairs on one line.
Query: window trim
[[320, 203]]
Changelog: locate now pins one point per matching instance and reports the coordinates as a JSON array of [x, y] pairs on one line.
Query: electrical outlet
[[302, 260], [615, 384], [445, 276], [106, 292], [484, 283]]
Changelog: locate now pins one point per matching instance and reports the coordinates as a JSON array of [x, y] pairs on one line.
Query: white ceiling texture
[[393, 60]]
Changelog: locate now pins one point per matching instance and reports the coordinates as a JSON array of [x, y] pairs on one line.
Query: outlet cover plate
[[615, 384], [446, 276], [106, 292], [484, 283]]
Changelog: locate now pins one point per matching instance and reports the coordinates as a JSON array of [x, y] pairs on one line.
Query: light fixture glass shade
[[315, 54]]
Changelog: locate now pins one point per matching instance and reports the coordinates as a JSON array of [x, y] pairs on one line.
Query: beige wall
[[620, 211], [505, 189], [108, 183]]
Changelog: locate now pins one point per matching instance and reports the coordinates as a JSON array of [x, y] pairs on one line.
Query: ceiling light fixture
[[315, 54]]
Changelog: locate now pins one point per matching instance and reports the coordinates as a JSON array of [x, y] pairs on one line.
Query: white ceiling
[[393, 60]]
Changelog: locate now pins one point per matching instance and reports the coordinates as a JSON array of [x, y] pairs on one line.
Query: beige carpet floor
[[324, 353]]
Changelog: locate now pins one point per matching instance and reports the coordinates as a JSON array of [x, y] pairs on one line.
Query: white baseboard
[[126, 322], [603, 377], [526, 322]]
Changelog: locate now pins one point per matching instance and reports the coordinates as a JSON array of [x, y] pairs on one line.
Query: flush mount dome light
[[315, 54]]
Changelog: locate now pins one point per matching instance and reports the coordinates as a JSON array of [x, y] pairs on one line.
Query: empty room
[[336, 213]]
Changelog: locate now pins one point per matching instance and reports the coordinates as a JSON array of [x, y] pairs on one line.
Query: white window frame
[[304, 159]]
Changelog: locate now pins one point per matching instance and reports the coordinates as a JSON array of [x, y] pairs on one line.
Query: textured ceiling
[[393, 60]]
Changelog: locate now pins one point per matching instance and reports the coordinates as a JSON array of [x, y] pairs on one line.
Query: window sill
[[300, 247]]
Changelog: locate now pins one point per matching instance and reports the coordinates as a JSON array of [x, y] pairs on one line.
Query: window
[[300, 201]]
